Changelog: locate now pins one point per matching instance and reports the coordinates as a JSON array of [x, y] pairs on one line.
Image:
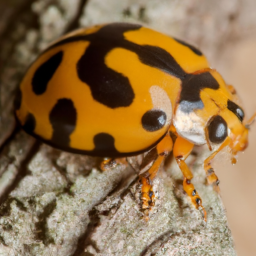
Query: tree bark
[[56, 203]]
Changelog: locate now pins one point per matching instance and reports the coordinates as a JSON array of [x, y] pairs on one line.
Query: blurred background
[[238, 181], [224, 30]]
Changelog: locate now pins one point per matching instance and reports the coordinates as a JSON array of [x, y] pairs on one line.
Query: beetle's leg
[[210, 174], [212, 178], [146, 178], [109, 163], [181, 150]]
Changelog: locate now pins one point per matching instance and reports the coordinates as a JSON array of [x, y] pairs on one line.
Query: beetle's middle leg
[[181, 150], [146, 178]]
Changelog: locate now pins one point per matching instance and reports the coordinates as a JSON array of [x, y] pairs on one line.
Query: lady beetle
[[120, 89]]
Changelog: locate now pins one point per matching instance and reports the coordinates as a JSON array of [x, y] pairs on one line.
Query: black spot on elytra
[[30, 123], [113, 89], [45, 72], [104, 144], [217, 129], [233, 107], [109, 87], [63, 120], [153, 120], [18, 99], [191, 47], [193, 84]]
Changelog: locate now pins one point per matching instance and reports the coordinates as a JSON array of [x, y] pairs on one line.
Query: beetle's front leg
[[212, 178], [146, 178], [181, 150], [210, 174]]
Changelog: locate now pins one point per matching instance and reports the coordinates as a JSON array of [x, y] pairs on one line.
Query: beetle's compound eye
[[217, 129], [236, 110]]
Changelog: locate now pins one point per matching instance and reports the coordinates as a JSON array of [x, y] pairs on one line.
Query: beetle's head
[[229, 130], [216, 117], [239, 135], [227, 126]]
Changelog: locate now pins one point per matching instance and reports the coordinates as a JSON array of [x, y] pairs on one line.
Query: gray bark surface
[[56, 203]]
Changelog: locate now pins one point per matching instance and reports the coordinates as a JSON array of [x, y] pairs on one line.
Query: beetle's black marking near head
[[104, 144], [63, 118], [191, 47], [188, 106], [159, 58], [193, 84], [18, 99], [153, 120], [45, 72], [217, 129], [30, 123], [233, 107]]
